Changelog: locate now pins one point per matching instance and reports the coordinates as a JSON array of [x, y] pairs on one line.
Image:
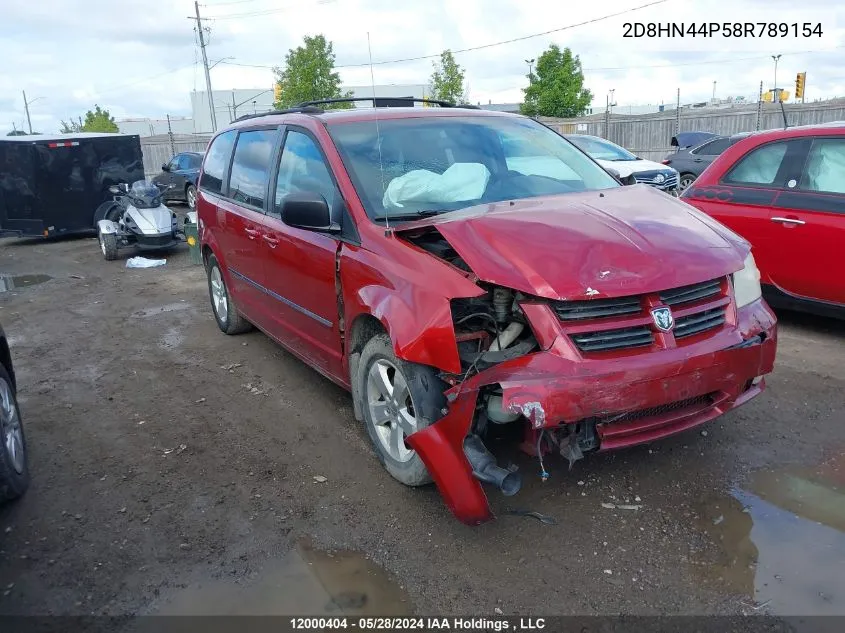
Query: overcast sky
[[139, 58]]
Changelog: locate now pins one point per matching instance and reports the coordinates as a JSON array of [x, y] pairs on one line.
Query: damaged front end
[[586, 376]]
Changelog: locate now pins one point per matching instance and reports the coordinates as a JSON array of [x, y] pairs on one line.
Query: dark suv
[[453, 285]]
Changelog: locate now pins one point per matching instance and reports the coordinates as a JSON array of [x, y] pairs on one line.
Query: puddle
[[19, 282], [170, 307], [305, 582], [782, 540]]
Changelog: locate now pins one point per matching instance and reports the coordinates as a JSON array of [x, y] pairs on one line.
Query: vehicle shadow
[[810, 323]]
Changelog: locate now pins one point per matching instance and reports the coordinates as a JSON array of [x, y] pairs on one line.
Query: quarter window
[[216, 162], [824, 170], [760, 167], [251, 167], [302, 170], [714, 148]]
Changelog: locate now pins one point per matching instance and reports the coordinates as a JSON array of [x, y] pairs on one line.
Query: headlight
[[747, 283]]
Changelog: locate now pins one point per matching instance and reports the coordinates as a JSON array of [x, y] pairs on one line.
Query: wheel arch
[[6, 360]]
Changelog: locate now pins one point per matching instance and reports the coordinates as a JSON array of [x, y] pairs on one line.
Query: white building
[[146, 127], [230, 104]]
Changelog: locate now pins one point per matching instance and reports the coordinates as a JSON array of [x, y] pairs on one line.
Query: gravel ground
[[173, 471]]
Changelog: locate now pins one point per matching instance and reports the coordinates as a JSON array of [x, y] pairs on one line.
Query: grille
[[155, 240], [701, 322], [600, 308], [679, 405], [647, 178], [694, 292], [607, 340]]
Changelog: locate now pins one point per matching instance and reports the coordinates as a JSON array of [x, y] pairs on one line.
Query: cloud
[[140, 57]]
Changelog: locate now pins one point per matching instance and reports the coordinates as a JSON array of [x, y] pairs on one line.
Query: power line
[[480, 47], [223, 4], [251, 14]]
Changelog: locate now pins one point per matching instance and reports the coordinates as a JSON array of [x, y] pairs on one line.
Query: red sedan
[[784, 191]]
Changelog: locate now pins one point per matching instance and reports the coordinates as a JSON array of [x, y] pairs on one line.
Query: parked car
[[784, 191], [690, 162], [180, 177], [688, 140], [453, 286], [14, 467], [624, 163]]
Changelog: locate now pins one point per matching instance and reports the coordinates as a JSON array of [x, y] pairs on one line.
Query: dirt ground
[[173, 471]]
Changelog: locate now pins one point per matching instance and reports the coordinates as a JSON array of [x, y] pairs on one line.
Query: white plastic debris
[[143, 262]]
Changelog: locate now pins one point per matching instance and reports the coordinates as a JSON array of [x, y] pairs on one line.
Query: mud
[[175, 469]]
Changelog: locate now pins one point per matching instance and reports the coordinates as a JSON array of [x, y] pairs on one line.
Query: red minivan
[[784, 191], [457, 269]]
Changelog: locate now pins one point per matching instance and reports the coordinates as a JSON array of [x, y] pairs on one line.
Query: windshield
[[602, 150], [432, 165], [144, 189]]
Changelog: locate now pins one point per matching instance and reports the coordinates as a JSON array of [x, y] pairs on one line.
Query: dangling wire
[[543, 474]]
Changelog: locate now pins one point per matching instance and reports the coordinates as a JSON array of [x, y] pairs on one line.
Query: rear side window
[[251, 167], [714, 148], [760, 167], [824, 170], [217, 161]]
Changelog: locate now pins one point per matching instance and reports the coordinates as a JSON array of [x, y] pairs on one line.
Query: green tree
[[18, 133], [308, 75], [447, 80], [556, 86], [96, 120]]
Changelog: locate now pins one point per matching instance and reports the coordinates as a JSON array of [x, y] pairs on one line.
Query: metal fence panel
[[156, 152]]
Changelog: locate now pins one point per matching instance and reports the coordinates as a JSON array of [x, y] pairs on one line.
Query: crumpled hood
[[618, 242], [627, 167]]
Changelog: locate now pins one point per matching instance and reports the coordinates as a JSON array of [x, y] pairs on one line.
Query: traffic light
[[800, 79], [767, 96], [277, 92]]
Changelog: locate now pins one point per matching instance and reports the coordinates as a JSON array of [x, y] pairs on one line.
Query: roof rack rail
[[303, 109], [376, 100]]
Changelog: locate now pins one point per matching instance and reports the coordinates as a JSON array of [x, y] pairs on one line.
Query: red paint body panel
[[801, 259], [562, 247]]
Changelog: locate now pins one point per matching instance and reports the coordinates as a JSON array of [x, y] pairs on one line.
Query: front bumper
[[661, 393]]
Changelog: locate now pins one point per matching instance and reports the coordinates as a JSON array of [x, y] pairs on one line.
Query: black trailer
[[53, 185]]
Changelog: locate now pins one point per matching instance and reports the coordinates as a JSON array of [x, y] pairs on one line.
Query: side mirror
[[124, 187], [308, 211], [627, 180], [163, 186], [165, 167]]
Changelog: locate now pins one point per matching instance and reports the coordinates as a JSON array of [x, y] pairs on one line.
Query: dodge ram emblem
[[663, 319]]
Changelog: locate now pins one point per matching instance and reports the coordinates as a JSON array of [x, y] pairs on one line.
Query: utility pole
[[714, 91], [759, 106], [678, 113], [26, 107], [170, 136], [234, 107], [205, 65]]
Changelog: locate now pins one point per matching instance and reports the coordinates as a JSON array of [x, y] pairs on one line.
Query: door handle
[[271, 241], [251, 233], [795, 221]]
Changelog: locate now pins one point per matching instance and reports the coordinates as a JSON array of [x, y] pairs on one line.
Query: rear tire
[[14, 465], [108, 245], [398, 398], [226, 313], [191, 197]]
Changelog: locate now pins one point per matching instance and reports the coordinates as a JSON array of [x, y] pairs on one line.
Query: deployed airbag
[[462, 181]]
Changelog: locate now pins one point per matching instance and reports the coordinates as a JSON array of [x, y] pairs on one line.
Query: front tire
[[229, 319], [191, 197], [398, 399], [108, 245], [14, 465]]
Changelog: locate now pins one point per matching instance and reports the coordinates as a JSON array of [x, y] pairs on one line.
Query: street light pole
[[26, 107], [776, 92], [530, 63], [205, 65]]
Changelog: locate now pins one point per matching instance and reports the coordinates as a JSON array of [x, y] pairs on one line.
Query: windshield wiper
[[425, 213]]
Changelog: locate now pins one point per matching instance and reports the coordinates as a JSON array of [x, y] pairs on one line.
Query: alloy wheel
[[391, 408], [11, 431], [219, 299]]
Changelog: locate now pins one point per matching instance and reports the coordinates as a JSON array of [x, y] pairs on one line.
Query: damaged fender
[[107, 227]]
